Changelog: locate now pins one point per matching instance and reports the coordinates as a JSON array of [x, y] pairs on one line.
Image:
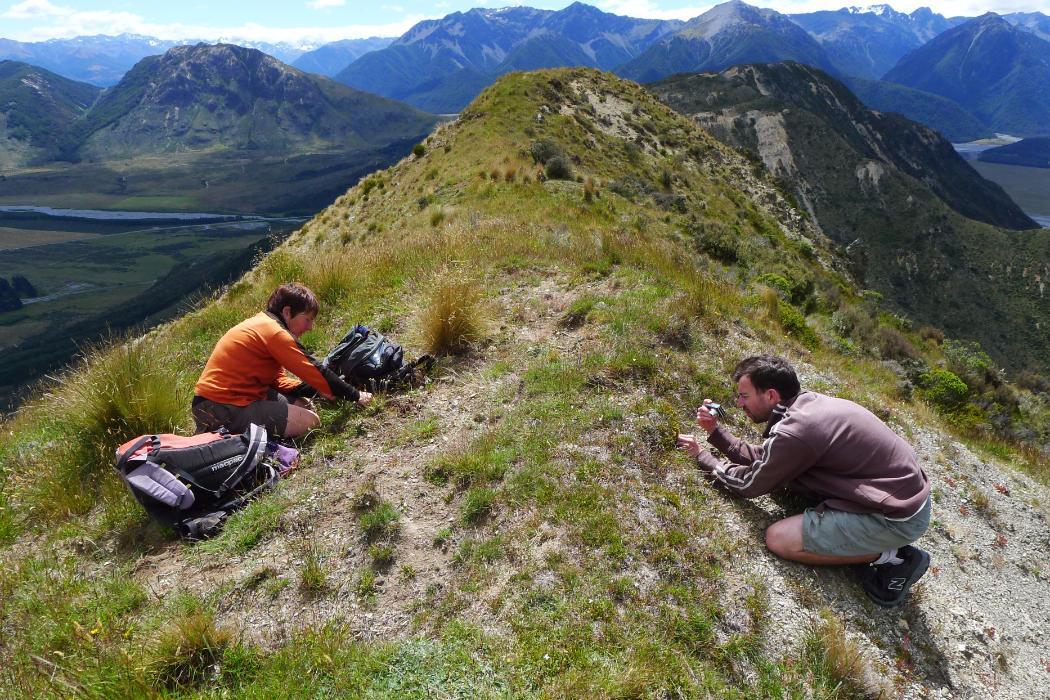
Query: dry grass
[[837, 661], [453, 317], [187, 650]]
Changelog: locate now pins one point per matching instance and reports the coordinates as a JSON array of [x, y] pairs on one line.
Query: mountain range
[[727, 34], [197, 98], [868, 42], [329, 59], [892, 193], [103, 60], [994, 70], [440, 65]]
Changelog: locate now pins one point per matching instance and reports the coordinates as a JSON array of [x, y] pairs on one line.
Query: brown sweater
[[828, 447], [256, 355]]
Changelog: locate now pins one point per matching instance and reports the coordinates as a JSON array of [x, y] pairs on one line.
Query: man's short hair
[[769, 372], [296, 296]]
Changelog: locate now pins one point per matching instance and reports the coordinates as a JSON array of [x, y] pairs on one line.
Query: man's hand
[[705, 419], [689, 443], [363, 398]]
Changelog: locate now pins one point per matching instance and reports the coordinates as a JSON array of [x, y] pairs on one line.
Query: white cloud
[[59, 22], [325, 4], [36, 9], [647, 9]]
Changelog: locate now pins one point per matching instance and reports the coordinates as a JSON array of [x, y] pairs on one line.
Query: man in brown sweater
[[875, 497]]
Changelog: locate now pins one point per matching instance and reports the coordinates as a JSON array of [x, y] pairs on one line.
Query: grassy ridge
[[588, 558]]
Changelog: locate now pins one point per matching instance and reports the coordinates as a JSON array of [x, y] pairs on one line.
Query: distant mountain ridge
[[204, 98], [727, 34], [103, 60], [329, 59], [867, 42], [440, 65], [996, 71], [36, 109], [227, 97]]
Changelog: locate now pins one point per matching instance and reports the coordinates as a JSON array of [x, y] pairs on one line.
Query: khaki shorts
[[271, 413], [840, 534]]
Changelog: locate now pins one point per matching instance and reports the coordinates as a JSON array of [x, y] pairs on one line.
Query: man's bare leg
[[784, 538]]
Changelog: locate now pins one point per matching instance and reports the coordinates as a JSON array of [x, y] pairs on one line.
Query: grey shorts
[[841, 534], [271, 413]]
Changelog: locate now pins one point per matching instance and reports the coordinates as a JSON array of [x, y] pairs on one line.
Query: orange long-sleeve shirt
[[258, 354]]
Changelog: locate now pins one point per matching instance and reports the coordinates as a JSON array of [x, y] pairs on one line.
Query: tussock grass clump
[[116, 393], [186, 651], [382, 555], [838, 664], [453, 317], [477, 504], [381, 521], [313, 577]]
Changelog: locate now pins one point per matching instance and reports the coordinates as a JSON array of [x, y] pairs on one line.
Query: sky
[[320, 21]]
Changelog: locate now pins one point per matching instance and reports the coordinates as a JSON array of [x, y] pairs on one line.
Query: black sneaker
[[887, 585]]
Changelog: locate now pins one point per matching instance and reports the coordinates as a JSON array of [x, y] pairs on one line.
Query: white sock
[[888, 557]]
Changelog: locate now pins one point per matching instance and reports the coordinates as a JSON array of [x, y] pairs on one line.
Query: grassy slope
[[553, 541]]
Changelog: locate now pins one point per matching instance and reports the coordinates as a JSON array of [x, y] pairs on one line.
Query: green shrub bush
[[558, 168], [943, 390]]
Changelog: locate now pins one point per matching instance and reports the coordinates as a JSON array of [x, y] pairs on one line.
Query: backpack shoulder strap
[[122, 460]]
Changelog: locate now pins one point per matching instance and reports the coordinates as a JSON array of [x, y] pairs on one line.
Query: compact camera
[[716, 410]]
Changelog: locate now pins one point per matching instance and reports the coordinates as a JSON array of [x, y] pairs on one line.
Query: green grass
[[477, 505], [245, 529], [381, 521], [313, 576]]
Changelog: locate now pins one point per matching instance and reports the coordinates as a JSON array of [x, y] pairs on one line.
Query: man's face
[[757, 405]]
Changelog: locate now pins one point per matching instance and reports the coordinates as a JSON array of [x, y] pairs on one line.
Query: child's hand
[[363, 398]]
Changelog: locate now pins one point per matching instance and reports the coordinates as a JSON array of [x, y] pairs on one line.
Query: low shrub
[[943, 390], [543, 150], [893, 345], [558, 168], [717, 240], [794, 324]]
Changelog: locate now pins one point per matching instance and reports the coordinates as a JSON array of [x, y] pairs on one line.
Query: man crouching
[[876, 498]]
